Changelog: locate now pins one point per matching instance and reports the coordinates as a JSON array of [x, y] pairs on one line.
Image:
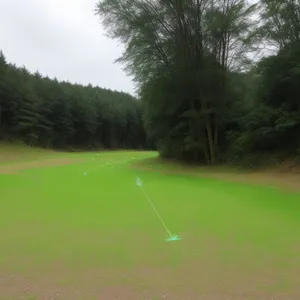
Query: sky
[[62, 39]]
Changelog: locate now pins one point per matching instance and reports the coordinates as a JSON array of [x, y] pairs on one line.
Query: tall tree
[[280, 22], [272, 123], [49, 113], [180, 53]]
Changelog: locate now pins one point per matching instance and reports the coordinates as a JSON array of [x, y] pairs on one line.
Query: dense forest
[[219, 80], [52, 114]]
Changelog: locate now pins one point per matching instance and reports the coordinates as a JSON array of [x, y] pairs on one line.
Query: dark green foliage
[[181, 54], [204, 99], [49, 113], [272, 124], [202, 96]]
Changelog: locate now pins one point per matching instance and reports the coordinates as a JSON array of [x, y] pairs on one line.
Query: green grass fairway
[[67, 236]]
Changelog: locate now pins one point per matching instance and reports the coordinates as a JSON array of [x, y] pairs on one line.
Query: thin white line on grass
[[159, 216], [112, 165], [171, 237]]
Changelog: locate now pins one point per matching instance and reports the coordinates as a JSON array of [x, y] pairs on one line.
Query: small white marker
[[84, 173]]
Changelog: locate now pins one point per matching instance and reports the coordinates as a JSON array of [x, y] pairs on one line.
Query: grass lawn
[[66, 236]]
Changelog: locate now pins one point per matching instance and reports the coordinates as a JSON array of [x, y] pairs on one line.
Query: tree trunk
[[210, 142]]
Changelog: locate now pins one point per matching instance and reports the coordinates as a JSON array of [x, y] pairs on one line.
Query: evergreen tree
[[49, 113]]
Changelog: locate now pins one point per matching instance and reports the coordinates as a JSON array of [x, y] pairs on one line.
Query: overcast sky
[[63, 39]]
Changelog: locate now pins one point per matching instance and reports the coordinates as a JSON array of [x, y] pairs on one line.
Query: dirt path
[[288, 180], [51, 162], [199, 281]]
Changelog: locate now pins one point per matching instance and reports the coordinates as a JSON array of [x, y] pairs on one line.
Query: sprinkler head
[[173, 238]]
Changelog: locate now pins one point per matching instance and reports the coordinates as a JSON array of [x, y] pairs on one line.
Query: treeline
[[206, 95], [53, 114]]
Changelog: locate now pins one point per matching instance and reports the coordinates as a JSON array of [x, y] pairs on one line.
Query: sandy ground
[[15, 168], [200, 281]]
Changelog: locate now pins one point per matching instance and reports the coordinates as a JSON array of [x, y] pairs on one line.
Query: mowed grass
[[96, 237]]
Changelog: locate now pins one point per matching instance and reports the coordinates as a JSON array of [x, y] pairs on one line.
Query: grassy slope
[[17, 152], [83, 232]]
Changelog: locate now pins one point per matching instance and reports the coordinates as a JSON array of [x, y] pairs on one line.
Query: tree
[[180, 53], [49, 113], [280, 22]]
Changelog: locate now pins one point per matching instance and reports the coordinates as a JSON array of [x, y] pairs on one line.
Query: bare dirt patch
[[16, 153], [195, 281], [54, 162]]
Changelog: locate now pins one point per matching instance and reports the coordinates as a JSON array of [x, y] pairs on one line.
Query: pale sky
[[62, 39]]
